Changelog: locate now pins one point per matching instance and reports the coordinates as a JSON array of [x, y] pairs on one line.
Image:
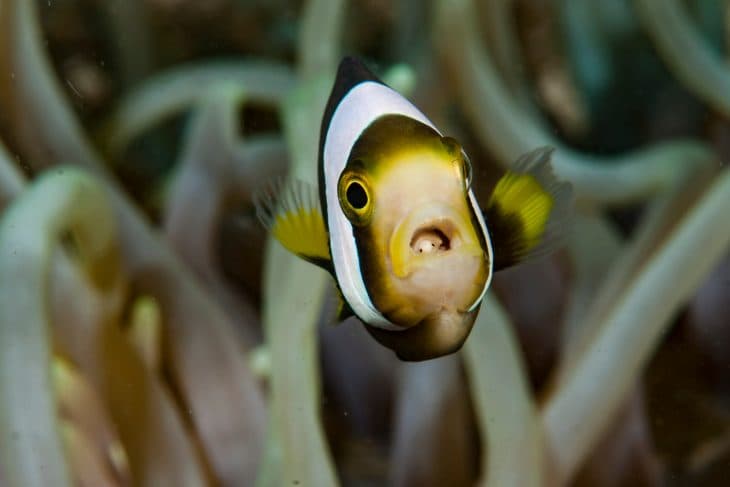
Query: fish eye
[[356, 195], [355, 198]]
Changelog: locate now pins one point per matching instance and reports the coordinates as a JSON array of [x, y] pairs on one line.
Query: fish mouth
[[433, 237], [427, 235]]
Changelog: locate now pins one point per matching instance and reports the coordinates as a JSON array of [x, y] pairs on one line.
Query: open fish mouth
[[427, 234], [434, 237]]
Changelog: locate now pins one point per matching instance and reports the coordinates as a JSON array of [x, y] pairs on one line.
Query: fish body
[[396, 222]]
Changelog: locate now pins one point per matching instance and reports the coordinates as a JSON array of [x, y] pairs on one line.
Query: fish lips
[[437, 219], [439, 334]]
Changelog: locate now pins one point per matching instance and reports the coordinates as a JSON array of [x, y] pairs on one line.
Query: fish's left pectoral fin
[[530, 210], [290, 210]]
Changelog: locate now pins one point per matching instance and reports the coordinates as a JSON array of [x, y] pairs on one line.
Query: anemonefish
[[396, 223]]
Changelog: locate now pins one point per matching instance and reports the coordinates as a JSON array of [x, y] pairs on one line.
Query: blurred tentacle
[[128, 25], [535, 296], [29, 424], [227, 413], [360, 378], [579, 409], [289, 323], [698, 67], [83, 411], [591, 31], [151, 424], [45, 131], [255, 160], [89, 466], [36, 115], [178, 89], [727, 26], [594, 245], [216, 165], [509, 131], [407, 41], [708, 316], [547, 58], [511, 447], [68, 202], [625, 454], [11, 179], [240, 238], [197, 195], [500, 30], [319, 37], [659, 220], [144, 331], [432, 416]]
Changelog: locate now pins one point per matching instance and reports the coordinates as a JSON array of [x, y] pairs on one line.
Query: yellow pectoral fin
[[290, 210], [302, 232], [528, 210]]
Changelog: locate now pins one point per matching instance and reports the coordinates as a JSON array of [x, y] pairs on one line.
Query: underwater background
[[152, 334]]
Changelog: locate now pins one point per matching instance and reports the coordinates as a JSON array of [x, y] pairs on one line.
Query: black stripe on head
[[350, 73]]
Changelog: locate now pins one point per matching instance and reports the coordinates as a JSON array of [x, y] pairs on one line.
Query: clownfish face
[[422, 254]]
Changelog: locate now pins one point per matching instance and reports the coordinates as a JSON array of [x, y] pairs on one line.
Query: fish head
[[423, 250]]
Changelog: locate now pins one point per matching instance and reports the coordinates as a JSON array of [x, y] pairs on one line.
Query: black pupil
[[356, 196]]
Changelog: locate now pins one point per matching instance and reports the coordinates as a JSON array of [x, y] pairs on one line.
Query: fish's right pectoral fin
[[290, 210], [529, 212]]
